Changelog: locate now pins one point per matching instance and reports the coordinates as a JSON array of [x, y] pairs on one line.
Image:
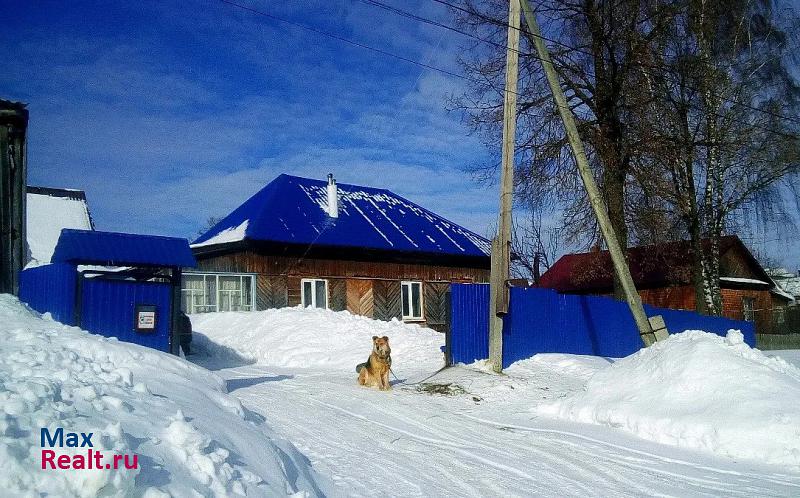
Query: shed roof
[[293, 210], [48, 211], [122, 249], [651, 266]]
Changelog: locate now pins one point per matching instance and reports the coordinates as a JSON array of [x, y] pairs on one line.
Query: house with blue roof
[[336, 246]]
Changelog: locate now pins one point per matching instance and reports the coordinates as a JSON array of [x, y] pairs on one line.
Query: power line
[[435, 68], [505, 25], [418, 18], [342, 39], [374, 49]]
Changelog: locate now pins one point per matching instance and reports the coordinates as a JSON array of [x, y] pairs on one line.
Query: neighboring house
[[789, 282], [663, 276], [342, 247], [48, 211]]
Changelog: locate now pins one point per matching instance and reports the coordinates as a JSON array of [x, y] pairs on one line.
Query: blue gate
[[143, 286], [543, 321], [108, 308]]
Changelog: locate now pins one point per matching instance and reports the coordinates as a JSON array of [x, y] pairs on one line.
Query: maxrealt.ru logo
[[91, 459]]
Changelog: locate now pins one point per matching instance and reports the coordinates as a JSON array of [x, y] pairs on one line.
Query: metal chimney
[[333, 197]]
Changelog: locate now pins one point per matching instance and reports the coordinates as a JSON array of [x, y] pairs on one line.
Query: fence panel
[[469, 323], [108, 308], [50, 288], [543, 321]]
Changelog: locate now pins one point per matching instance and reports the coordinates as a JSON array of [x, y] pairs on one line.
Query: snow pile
[[188, 436], [697, 390], [46, 216], [313, 338]]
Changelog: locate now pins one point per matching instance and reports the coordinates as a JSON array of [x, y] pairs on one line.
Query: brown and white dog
[[375, 372]]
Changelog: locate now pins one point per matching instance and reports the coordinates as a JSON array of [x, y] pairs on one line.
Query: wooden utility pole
[[501, 244], [13, 183], [595, 199]]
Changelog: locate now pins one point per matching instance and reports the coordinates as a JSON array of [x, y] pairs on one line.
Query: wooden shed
[[336, 246]]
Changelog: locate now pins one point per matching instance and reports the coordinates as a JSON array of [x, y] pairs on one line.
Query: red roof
[[652, 266]]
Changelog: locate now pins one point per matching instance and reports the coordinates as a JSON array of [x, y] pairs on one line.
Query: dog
[[375, 372]]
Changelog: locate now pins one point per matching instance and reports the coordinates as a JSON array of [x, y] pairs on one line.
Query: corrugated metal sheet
[[469, 322], [543, 321], [122, 249], [292, 210], [108, 308], [50, 288]]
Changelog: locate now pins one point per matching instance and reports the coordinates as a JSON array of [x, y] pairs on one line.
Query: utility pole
[[595, 199], [501, 244], [13, 184]]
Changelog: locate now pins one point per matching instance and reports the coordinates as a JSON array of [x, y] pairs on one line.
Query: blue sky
[[167, 113]]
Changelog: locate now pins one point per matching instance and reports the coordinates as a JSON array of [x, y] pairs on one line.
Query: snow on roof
[[47, 215], [232, 234], [744, 280], [293, 210]]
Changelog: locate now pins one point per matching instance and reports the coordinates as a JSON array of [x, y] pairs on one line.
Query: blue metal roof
[[293, 210], [121, 249]]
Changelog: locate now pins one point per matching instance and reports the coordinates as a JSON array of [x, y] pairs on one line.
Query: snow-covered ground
[[189, 437], [698, 390], [466, 432]]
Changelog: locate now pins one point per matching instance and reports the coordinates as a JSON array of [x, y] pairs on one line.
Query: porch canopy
[[90, 247]]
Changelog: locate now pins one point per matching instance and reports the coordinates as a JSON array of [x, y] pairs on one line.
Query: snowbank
[[313, 338], [189, 437], [697, 390]]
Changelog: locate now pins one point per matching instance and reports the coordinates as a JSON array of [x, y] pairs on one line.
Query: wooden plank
[[293, 291], [359, 297], [271, 292], [337, 294], [386, 296], [252, 262], [435, 301]]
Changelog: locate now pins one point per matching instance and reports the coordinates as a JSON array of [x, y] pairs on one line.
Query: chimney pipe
[[333, 197]]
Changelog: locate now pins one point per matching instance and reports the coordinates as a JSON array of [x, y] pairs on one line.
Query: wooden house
[[663, 276], [336, 246]]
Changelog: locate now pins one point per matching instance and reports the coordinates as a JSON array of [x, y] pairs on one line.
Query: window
[[748, 308], [780, 316], [411, 297], [208, 292], [314, 293]]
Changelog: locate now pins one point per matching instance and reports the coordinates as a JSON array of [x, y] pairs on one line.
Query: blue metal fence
[[469, 322], [108, 308], [543, 321], [50, 288]]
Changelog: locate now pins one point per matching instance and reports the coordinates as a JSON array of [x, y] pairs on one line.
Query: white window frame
[[313, 303], [749, 315], [210, 308], [412, 317]]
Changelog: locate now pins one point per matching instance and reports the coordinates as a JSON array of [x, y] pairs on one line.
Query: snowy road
[[483, 442]]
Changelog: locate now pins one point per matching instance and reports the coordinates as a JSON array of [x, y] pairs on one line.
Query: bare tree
[[597, 49], [534, 245], [721, 144]]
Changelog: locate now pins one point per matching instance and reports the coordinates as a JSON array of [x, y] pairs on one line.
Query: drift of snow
[[46, 217], [697, 390], [312, 338], [190, 437]]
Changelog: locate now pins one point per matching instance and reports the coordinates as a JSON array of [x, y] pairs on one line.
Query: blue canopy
[[121, 249], [293, 210]]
